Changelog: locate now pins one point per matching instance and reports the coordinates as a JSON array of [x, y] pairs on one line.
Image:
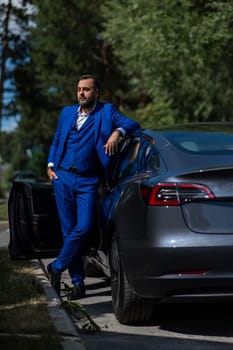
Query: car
[[164, 220], [24, 175]]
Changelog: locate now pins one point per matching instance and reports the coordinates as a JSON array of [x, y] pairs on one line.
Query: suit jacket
[[107, 119]]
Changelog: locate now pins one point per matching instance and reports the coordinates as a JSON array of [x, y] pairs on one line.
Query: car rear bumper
[[184, 273], [184, 288]]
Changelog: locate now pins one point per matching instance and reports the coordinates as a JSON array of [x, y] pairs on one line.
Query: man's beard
[[87, 103]]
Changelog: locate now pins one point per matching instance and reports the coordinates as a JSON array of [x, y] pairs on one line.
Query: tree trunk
[[4, 57]]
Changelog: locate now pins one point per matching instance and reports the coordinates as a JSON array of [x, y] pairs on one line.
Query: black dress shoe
[[55, 279], [77, 292]]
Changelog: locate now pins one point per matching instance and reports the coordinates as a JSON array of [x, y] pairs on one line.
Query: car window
[[135, 155], [147, 158], [202, 143]]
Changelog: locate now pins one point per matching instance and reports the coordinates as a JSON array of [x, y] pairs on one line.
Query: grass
[[3, 210], [25, 322], [78, 312]]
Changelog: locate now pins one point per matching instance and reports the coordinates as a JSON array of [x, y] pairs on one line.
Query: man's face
[[87, 94]]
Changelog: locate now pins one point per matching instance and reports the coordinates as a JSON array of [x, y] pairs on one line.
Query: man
[[86, 138]]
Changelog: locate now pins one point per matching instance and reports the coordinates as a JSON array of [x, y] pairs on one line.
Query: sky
[[9, 124]]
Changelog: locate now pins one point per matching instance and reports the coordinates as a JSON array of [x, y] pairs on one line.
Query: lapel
[[100, 134], [98, 121], [69, 118]]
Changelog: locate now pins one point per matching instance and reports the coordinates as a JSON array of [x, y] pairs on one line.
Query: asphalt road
[[174, 326]]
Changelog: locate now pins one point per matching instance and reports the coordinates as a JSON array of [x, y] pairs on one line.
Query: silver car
[[164, 225]]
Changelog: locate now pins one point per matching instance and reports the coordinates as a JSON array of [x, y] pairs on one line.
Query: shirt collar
[[80, 113]]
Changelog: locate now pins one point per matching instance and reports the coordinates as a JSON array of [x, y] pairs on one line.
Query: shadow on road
[[212, 319]]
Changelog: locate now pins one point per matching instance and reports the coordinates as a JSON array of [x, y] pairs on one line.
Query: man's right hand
[[51, 174]]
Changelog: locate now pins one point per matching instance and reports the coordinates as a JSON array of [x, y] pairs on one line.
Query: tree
[[64, 43], [176, 51], [13, 22], [12, 42], [5, 26]]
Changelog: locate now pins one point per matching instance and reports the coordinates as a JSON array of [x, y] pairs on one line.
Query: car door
[[112, 190], [35, 230], [136, 159]]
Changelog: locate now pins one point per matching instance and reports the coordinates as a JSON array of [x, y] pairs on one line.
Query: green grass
[[3, 210], [25, 322]]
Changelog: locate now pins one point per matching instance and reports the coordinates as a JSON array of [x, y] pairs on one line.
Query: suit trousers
[[76, 201]]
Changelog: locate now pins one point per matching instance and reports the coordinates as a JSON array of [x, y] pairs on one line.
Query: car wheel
[[127, 306]]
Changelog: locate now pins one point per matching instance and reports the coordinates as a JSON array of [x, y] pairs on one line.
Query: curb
[[59, 316]]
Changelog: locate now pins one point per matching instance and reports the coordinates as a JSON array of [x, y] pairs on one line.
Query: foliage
[[3, 209], [181, 52], [79, 313], [13, 53], [64, 43], [165, 61], [156, 113], [7, 140]]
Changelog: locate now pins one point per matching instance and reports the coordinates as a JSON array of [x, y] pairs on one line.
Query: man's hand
[[111, 146], [51, 174]]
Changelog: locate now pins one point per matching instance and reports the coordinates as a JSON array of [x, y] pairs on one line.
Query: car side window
[[121, 161], [147, 158], [135, 155], [128, 161]]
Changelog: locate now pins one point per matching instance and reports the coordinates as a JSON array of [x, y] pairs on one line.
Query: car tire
[[128, 307]]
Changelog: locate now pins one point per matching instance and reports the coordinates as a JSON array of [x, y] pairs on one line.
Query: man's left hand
[[111, 146]]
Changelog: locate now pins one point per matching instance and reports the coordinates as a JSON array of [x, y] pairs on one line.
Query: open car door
[[35, 230]]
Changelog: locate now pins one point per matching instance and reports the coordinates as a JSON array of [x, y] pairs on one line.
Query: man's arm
[[111, 146], [123, 126], [122, 121]]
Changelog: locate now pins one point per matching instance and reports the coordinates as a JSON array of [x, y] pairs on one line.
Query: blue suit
[[76, 194], [107, 119]]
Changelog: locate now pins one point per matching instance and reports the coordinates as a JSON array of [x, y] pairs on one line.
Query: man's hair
[[90, 76]]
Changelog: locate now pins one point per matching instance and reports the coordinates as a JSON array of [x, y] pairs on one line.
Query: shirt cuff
[[50, 165], [122, 131]]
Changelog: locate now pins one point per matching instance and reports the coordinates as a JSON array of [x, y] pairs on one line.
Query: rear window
[[201, 142]]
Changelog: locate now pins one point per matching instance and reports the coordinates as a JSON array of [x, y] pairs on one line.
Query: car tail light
[[164, 194]]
